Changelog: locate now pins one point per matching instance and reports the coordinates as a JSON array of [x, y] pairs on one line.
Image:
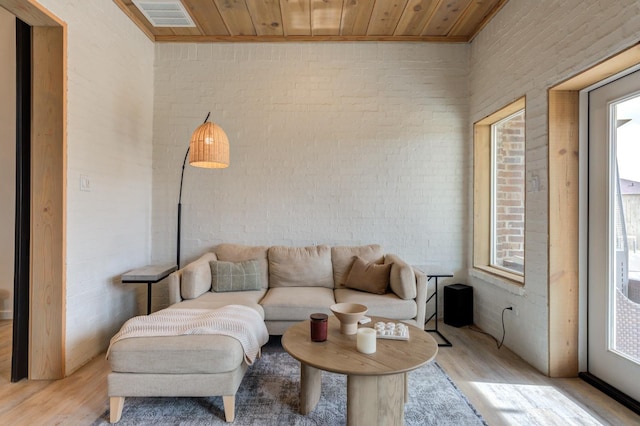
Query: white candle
[[366, 340]]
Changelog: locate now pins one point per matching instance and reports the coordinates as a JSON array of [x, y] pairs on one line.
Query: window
[[499, 192]]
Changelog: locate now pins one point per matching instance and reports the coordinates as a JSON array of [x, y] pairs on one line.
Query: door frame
[[565, 293], [567, 279], [47, 271]]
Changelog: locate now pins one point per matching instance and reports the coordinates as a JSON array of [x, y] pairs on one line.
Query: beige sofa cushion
[[196, 277], [300, 267], [402, 278], [296, 303], [342, 259], [240, 253], [187, 354], [368, 276], [381, 305]]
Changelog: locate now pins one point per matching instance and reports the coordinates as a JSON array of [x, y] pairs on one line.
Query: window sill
[[504, 280]]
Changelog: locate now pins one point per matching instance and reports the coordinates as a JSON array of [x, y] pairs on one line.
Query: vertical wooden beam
[[48, 165], [563, 233]]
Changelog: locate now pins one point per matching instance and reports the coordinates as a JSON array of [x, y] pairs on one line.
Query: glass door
[[614, 227]]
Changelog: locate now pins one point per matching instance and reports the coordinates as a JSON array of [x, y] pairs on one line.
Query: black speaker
[[458, 305]]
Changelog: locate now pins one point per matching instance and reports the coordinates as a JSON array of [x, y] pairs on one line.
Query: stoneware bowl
[[349, 314]]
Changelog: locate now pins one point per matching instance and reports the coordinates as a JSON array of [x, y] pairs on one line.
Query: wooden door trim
[[563, 233], [48, 165]]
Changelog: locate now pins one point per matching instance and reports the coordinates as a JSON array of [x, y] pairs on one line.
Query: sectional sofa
[[284, 285]]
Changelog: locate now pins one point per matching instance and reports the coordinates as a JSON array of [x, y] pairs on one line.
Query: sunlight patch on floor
[[533, 405]]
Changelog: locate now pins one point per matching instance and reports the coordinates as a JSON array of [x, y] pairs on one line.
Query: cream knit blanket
[[240, 322]]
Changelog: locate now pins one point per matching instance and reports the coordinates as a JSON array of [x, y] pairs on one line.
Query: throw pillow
[[241, 276], [228, 252], [402, 279], [342, 259], [369, 277]]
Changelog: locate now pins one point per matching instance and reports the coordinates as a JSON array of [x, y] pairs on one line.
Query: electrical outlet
[[515, 310]]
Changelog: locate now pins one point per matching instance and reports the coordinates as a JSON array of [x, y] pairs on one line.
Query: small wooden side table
[[149, 274]]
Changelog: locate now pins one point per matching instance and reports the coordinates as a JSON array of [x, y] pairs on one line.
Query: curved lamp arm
[[184, 163]]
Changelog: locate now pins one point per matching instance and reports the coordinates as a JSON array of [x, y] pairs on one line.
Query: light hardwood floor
[[504, 389], [508, 391]]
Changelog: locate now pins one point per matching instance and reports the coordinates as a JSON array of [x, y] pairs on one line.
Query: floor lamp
[[208, 148]]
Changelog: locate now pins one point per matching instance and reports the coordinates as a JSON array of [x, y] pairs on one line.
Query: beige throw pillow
[[342, 259], [402, 279], [369, 277], [229, 276]]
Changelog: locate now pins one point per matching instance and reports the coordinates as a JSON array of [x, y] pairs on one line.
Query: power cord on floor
[[498, 344]]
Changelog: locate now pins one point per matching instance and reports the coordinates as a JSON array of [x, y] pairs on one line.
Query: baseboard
[[609, 390], [6, 315]]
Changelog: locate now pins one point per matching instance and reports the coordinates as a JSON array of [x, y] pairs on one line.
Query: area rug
[[268, 396]]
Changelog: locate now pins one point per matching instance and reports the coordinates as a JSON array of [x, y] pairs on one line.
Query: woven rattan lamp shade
[[209, 147]]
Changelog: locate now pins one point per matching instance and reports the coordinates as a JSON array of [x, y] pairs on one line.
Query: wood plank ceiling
[[324, 20]]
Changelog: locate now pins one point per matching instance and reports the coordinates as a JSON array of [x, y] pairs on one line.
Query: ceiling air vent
[[165, 13]]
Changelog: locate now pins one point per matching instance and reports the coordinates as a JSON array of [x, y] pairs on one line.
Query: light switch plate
[[85, 183]]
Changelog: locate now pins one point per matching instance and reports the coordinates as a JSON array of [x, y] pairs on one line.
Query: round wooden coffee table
[[376, 383]]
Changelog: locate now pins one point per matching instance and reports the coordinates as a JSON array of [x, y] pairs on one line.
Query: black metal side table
[[435, 314], [149, 274], [434, 296]]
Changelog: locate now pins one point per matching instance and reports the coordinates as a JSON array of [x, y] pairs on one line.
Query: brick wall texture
[[331, 143], [509, 192]]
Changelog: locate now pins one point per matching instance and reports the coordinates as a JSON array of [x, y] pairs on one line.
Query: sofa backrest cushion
[[196, 277], [342, 259], [241, 253], [402, 278], [300, 267]]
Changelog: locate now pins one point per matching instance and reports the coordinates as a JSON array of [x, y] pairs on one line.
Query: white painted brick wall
[[527, 48], [109, 133], [331, 143]]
